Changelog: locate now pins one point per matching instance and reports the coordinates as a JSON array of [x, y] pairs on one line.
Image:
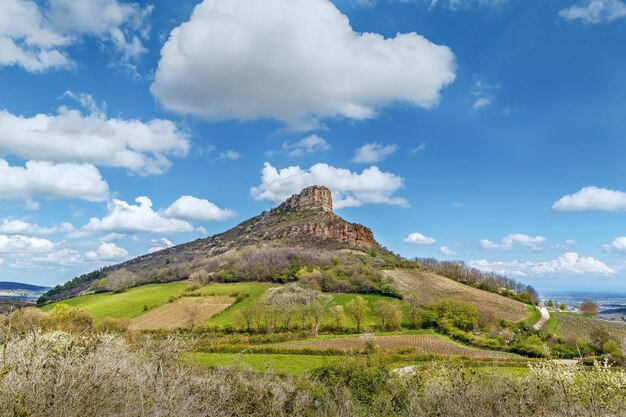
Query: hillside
[[432, 287], [273, 246]]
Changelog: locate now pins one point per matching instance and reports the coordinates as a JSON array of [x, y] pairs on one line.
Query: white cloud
[[457, 5], [123, 217], [44, 179], [296, 61], [21, 227], [373, 152], [107, 252], [419, 239], [515, 239], [19, 244], [595, 11], [229, 155], [484, 94], [419, 148], [192, 208], [112, 237], [308, 145], [618, 245], [71, 136], [159, 244], [592, 198], [569, 263], [36, 36], [445, 250], [350, 189]]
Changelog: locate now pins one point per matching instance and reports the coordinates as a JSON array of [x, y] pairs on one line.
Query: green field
[[125, 305], [273, 363], [257, 289]]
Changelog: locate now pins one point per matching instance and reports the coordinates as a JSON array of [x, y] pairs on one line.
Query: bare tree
[[339, 317], [588, 308], [121, 280], [413, 302]]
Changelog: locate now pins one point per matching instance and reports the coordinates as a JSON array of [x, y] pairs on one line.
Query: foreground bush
[[60, 374]]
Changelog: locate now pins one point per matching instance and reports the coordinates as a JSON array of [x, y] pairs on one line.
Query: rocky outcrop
[[315, 197], [324, 225]]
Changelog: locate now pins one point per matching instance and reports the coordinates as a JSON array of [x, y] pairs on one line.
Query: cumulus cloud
[[595, 11], [141, 218], [36, 35], [191, 208], [19, 244], [296, 61], [445, 250], [107, 252], [350, 189], [373, 152], [71, 136], [570, 263], [618, 245], [308, 145], [159, 244], [21, 227], [592, 198], [419, 239], [45, 179], [509, 241]]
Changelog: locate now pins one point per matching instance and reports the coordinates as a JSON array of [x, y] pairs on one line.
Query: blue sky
[[488, 131]]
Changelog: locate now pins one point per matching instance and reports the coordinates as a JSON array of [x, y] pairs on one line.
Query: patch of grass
[[552, 326], [272, 363], [125, 305], [534, 315], [255, 291]]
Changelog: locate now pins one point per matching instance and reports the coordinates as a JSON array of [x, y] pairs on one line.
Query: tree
[[612, 348], [358, 309], [458, 314], [412, 301], [562, 306], [192, 311], [339, 317], [550, 303], [389, 315], [318, 308], [588, 308], [121, 280]]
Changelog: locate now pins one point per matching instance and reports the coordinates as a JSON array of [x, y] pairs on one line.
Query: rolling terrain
[[432, 288]]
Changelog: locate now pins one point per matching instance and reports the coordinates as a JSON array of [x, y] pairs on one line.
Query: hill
[[432, 287], [301, 232]]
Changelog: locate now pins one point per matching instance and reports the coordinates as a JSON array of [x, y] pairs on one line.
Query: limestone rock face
[[324, 225], [315, 197]]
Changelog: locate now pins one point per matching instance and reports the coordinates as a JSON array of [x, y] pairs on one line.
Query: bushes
[[453, 313]]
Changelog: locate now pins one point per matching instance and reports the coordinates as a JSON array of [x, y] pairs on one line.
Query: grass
[[432, 288], [125, 305], [273, 363], [533, 317], [552, 326], [255, 291]]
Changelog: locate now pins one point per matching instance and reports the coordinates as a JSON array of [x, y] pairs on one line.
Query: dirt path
[[545, 316]]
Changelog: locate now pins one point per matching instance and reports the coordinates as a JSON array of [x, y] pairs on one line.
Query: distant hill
[[4, 285], [13, 291]]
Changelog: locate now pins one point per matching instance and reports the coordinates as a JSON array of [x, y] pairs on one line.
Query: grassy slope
[[534, 315], [131, 303], [432, 288], [125, 305], [274, 363]]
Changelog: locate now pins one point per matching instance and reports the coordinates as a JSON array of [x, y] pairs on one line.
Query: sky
[[487, 131]]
